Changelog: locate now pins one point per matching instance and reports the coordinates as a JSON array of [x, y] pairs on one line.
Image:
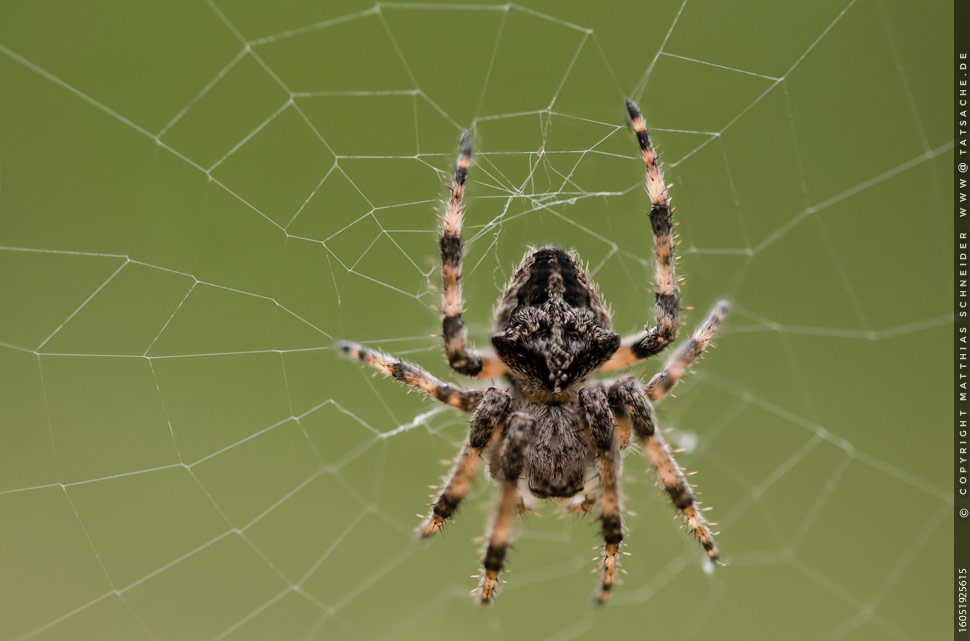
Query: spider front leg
[[628, 399], [413, 376], [602, 425], [667, 305], [461, 359], [485, 425], [512, 462]]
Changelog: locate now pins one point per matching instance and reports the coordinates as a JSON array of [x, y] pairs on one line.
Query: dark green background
[[197, 199]]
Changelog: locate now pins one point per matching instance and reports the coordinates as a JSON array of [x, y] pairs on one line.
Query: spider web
[[196, 200]]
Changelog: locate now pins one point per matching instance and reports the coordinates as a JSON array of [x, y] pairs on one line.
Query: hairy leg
[[512, 461], [602, 426], [414, 376], [484, 427], [667, 296], [461, 359], [686, 353], [628, 397]]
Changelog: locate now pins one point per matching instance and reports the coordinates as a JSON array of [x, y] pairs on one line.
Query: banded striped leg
[[688, 352], [628, 397], [512, 462], [667, 306], [414, 376], [602, 425], [484, 426], [461, 359]]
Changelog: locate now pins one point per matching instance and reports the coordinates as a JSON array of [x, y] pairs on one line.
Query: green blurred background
[[197, 199]]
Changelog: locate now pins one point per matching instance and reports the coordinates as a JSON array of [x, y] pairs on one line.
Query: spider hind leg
[[666, 296]]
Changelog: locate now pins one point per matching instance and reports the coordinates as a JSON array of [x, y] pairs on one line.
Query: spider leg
[[688, 352], [484, 427], [585, 502], [602, 425], [512, 461], [461, 359], [414, 376], [628, 398], [492, 367], [667, 306]]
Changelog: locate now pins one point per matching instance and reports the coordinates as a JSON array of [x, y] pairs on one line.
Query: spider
[[551, 432]]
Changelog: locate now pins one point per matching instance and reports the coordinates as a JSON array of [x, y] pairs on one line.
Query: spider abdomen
[[549, 273], [551, 327]]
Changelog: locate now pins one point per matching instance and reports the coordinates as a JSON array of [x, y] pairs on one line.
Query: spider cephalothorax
[[550, 431]]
